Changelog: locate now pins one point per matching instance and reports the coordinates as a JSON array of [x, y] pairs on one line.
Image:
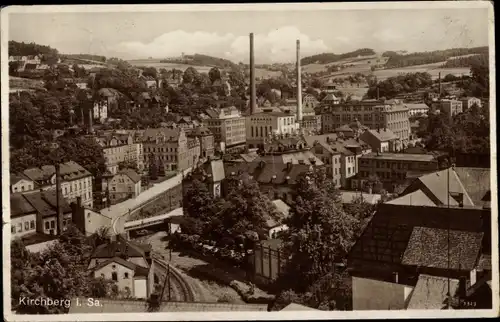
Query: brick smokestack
[[439, 80], [91, 127], [299, 86], [59, 199], [253, 99]]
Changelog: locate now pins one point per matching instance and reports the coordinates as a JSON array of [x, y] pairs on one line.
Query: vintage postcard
[[249, 161]]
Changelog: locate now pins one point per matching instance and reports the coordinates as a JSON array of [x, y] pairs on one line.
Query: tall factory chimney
[[439, 80], [299, 86], [91, 128], [253, 99], [59, 199]]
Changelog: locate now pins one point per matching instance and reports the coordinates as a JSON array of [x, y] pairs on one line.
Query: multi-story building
[[76, 181], [118, 148], [371, 113], [339, 155], [228, 126], [261, 126], [124, 185], [393, 168], [449, 107], [36, 212], [170, 148], [206, 139], [20, 183], [309, 102], [468, 102], [382, 140]]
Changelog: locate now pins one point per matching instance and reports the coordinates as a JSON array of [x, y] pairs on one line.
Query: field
[[24, 83], [157, 64], [360, 65], [433, 70]]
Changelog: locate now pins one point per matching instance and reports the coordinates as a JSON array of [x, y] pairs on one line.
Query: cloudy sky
[[164, 34]]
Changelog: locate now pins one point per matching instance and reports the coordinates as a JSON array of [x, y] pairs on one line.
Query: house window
[[47, 225], [32, 224], [20, 227], [114, 276], [13, 229], [102, 275], [53, 224], [26, 225], [113, 266], [22, 188], [125, 275]]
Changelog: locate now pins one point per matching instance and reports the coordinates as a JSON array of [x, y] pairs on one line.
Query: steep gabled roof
[[383, 135], [131, 174], [430, 293]]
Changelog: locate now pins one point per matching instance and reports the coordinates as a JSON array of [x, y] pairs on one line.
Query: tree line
[[326, 58], [420, 58]]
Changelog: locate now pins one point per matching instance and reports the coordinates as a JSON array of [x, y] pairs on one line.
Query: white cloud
[[276, 46]]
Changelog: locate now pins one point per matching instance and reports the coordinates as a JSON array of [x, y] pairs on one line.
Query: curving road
[[181, 290]]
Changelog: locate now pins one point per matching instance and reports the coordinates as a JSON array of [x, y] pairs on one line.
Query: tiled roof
[[168, 133], [416, 198], [400, 156], [299, 157], [476, 182], [330, 97], [265, 173], [199, 131], [416, 106], [69, 171], [19, 205], [131, 174], [16, 177], [45, 203], [137, 306], [108, 92], [428, 247], [430, 293], [120, 246], [331, 142], [383, 135], [139, 270]]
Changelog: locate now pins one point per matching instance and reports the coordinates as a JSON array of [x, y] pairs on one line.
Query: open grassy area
[[25, 83]]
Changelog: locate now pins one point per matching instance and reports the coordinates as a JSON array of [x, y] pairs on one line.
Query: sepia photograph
[[254, 161]]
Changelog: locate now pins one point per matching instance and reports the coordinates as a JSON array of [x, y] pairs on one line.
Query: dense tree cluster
[[230, 220], [332, 58], [203, 60], [85, 57], [393, 86], [58, 272], [466, 61], [468, 132], [31, 49], [321, 232], [397, 60]]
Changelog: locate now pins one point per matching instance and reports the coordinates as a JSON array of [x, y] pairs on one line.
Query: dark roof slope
[[44, 202], [122, 247], [428, 247], [131, 174]]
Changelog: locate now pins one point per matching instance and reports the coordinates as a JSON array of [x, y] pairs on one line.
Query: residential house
[[393, 169], [330, 99], [277, 180], [81, 83], [382, 140], [450, 107], [329, 86], [228, 126], [170, 148], [274, 224], [309, 102], [125, 184], [285, 149], [402, 256], [468, 102], [341, 155], [104, 99], [128, 264], [206, 139], [35, 212], [466, 187], [415, 109], [20, 183], [87, 220], [352, 130], [348, 197], [150, 81], [118, 148], [76, 181]]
